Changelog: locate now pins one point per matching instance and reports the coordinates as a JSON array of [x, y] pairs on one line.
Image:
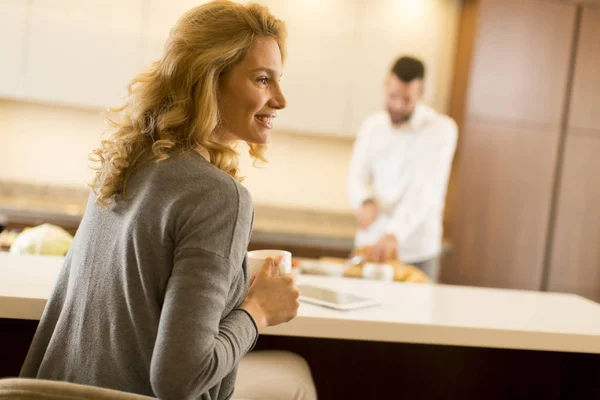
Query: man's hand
[[386, 249], [367, 214]]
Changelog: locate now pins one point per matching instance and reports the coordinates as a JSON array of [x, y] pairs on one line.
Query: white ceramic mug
[[257, 259]]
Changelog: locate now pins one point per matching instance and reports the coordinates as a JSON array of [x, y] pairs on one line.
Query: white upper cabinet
[[317, 72], [83, 53], [387, 29], [13, 36], [317, 69], [159, 17]]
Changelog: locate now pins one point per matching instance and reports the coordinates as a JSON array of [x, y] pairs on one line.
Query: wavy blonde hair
[[173, 106]]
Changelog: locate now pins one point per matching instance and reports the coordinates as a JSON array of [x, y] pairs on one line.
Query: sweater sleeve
[[194, 348], [197, 344]]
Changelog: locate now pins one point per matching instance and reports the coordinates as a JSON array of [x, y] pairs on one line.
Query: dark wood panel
[[464, 55], [350, 369], [593, 133], [521, 59], [585, 103], [462, 67], [15, 339], [586, 3], [575, 261], [500, 218]]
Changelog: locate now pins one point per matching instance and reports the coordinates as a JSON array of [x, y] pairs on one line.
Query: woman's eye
[[262, 80]]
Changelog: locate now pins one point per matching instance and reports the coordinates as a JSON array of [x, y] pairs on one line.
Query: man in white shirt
[[399, 173]]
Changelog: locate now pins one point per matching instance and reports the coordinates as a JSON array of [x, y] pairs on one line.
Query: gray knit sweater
[[146, 300]]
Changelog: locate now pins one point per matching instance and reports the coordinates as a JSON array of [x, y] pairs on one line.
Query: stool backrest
[[37, 389]]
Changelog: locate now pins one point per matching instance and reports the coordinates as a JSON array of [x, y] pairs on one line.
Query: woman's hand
[[272, 298]]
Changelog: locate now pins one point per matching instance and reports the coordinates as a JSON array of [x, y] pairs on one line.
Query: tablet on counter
[[334, 299]]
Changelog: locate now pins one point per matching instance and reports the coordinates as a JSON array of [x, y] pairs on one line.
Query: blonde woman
[[154, 296]]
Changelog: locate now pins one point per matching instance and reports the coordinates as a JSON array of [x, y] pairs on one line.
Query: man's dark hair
[[408, 69]]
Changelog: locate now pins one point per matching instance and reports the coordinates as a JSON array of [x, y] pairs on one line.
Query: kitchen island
[[423, 341]]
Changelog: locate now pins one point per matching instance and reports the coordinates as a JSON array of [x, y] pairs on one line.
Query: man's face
[[402, 97]]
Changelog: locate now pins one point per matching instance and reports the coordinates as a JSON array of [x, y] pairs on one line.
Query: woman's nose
[[278, 100]]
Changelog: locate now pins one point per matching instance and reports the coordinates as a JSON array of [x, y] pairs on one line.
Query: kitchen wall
[[47, 144]]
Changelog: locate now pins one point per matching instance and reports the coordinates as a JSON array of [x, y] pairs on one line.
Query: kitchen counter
[[409, 313], [33, 205], [422, 342], [453, 315]]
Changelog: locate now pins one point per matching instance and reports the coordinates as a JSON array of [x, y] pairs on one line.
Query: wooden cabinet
[[520, 64], [575, 257], [83, 53], [584, 112], [500, 219], [526, 206], [507, 153], [13, 45]]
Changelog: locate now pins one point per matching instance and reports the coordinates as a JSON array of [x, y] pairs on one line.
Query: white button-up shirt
[[405, 170]]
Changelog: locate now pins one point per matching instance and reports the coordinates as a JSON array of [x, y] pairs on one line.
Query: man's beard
[[399, 119]]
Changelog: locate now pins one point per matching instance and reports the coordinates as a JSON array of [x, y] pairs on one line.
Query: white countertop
[[409, 313], [26, 282]]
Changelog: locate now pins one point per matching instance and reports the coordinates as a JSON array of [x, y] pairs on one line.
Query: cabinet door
[[387, 29], [500, 218], [318, 68], [521, 59], [13, 36], [508, 149], [584, 113], [83, 53], [159, 17], [575, 262], [575, 258]]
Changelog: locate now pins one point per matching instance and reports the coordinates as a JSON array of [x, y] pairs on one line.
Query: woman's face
[[250, 95]]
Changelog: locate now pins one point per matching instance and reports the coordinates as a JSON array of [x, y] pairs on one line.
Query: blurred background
[[520, 77]]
